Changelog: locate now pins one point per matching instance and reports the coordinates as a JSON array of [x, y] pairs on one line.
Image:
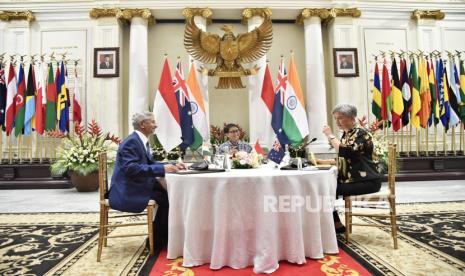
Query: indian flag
[[199, 117], [295, 123]]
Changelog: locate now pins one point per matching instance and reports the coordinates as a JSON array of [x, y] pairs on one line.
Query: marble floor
[[69, 200]]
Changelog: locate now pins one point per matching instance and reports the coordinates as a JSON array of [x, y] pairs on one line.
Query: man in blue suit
[[134, 182]]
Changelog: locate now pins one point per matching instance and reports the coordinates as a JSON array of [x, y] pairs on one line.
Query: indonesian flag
[[268, 97], [10, 103], [199, 116], [165, 109], [258, 148], [41, 100], [77, 116], [295, 123]]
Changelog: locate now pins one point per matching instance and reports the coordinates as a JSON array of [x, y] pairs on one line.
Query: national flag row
[[179, 108], [422, 92], [181, 115], [37, 101]]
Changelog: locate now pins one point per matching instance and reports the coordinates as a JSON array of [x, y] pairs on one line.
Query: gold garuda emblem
[[228, 52]]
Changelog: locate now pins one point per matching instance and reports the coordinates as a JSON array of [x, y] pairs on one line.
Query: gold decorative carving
[[124, 15], [203, 12], [428, 14], [229, 51], [16, 15], [251, 12], [327, 15]]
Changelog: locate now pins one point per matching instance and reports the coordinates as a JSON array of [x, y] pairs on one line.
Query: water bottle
[[227, 160], [299, 163]]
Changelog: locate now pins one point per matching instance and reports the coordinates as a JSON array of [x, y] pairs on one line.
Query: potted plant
[[78, 154]]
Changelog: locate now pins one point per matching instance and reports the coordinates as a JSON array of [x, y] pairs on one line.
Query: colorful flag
[[462, 92], [12, 90], [386, 99], [77, 115], [62, 101], [397, 99], [425, 94], [184, 106], [30, 101], [406, 92], [453, 119], [41, 100], [295, 123], [278, 105], [267, 133], [2, 96], [51, 110], [376, 94], [19, 102], [199, 117], [165, 109], [258, 148], [434, 98], [276, 154], [454, 96], [416, 100]]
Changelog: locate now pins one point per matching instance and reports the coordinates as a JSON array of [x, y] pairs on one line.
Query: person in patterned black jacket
[[358, 173]]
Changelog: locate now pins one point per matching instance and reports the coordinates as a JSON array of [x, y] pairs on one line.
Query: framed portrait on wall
[[106, 62], [345, 62]]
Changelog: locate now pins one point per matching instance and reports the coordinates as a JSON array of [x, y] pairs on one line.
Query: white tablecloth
[[220, 218]]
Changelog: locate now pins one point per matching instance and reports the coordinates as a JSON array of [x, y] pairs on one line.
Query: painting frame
[[345, 62], [106, 62]]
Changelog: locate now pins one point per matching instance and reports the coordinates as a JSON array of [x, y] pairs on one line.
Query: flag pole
[[453, 141], [410, 140], [31, 140], [435, 140], [10, 150], [427, 140], [461, 139], [444, 141], [402, 139], [20, 148], [418, 141]]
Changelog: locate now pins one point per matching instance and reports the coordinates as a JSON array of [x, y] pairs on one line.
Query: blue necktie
[[147, 146]]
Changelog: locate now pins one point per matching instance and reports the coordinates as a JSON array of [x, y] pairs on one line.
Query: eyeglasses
[[234, 131]]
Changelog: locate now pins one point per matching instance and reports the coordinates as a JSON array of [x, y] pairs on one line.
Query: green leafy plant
[[79, 152], [160, 154]]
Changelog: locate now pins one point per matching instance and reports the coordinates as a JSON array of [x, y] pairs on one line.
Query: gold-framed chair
[[388, 196], [105, 208]]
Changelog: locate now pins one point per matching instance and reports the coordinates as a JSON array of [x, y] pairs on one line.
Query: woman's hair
[[346, 109], [138, 117], [228, 127]]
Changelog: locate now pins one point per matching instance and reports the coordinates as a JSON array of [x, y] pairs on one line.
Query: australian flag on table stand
[[276, 153], [184, 107]]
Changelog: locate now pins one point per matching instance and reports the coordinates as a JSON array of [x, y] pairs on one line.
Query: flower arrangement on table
[[78, 153], [244, 160]]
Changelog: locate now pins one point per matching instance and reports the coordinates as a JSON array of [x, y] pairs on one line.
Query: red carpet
[[341, 264]]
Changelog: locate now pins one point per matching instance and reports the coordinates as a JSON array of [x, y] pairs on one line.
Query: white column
[[105, 103], [201, 23], [138, 98], [259, 118], [316, 88]]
